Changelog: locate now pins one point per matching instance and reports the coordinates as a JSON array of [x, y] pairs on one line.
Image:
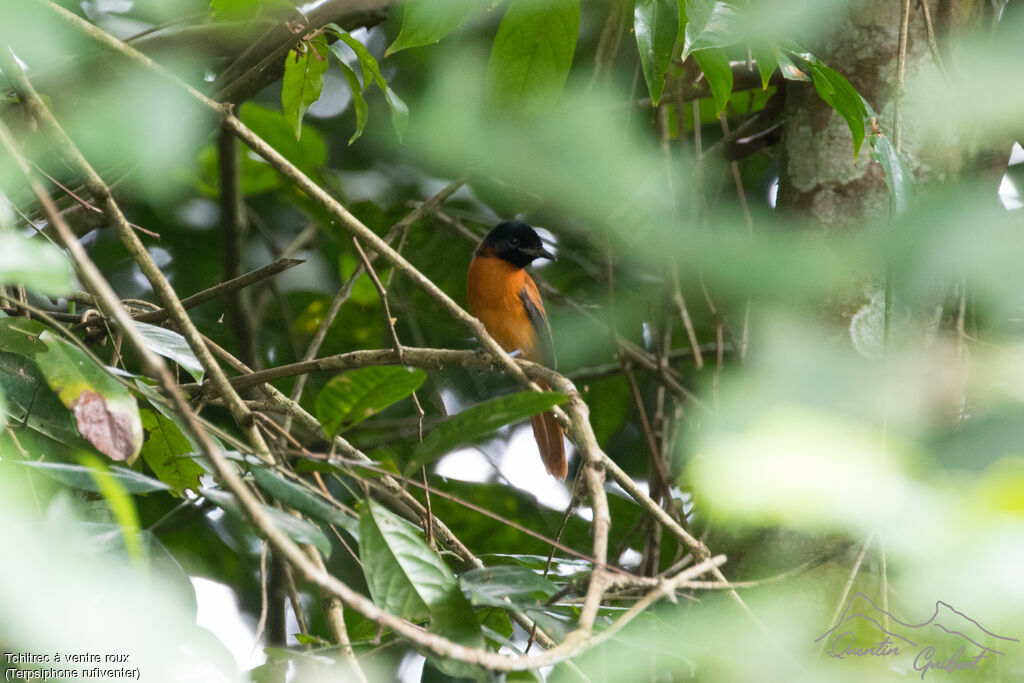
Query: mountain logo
[[948, 640]]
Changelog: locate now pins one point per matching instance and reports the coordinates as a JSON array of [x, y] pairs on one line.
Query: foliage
[[835, 411]]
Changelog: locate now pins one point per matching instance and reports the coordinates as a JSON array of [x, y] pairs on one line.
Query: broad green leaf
[[30, 402], [79, 477], [303, 500], [709, 24], [105, 412], [34, 263], [656, 23], [427, 21], [897, 177], [490, 586], [837, 93], [297, 529], [406, 577], [766, 61], [303, 80], [480, 420], [353, 396], [362, 111], [163, 450], [533, 50], [170, 344], [21, 336], [121, 504], [715, 65]]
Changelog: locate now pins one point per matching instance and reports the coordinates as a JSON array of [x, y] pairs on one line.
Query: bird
[[504, 297]]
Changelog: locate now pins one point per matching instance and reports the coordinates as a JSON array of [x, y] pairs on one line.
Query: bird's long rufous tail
[[548, 434]]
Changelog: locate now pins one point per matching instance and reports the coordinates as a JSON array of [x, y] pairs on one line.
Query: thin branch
[[234, 228]]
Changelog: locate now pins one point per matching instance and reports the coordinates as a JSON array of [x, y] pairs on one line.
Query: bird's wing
[[530, 296]]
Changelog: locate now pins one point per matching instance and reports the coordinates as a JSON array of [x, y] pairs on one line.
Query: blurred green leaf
[[897, 178], [427, 21], [656, 23], [303, 80], [715, 65], [105, 412], [362, 111], [298, 529], [240, 10], [353, 396], [480, 420], [295, 496], [121, 504], [709, 24], [490, 587], [533, 51], [34, 263], [163, 450], [80, 477], [399, 112], [170, 344], [309, 153]]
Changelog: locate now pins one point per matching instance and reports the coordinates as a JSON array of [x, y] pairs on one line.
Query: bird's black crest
[[514, 241]]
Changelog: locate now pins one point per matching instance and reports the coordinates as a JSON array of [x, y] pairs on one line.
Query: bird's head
[[515, 242]]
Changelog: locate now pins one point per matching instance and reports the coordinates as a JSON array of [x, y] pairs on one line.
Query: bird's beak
[[540, 253]]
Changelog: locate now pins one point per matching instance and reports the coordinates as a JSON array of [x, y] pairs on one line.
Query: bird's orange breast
[[493, 288]]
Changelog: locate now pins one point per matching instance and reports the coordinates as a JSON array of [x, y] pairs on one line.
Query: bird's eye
[[513, 242]]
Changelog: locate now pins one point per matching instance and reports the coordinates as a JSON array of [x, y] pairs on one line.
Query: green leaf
[[656, 24], [837, 93], [715, 65], [247, 10], [371, 73], [297, 529], [170, 344], [303, 80], [105, 412], [21, 336], [371, 70], [362, 111], [482, 419], [490, 586], [34, 263], [709, 25], [79, 477], [406, 577], [533, 50], [766, 61], [309, 153], [399, 112], [351, 397], [790, 71], [427, 21], [29, 401], [897, 177], [303, 500], [121, 504], [163, 451]]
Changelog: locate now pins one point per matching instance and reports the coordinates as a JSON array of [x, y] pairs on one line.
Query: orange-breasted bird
[[506, 300]]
